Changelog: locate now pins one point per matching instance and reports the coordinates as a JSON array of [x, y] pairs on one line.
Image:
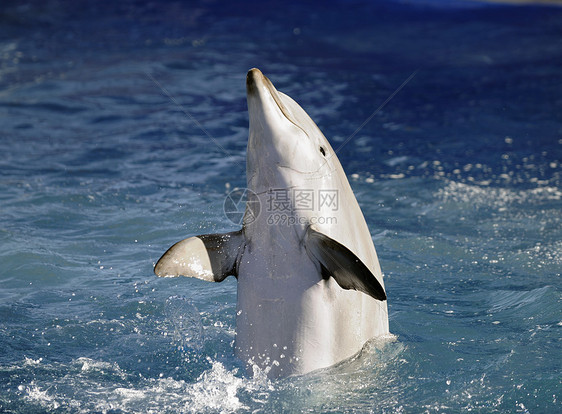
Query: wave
[[496, 197]]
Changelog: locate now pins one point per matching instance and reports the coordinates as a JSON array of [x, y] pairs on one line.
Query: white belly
[[291, 321]]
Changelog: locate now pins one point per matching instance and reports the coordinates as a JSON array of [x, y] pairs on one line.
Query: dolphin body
[[310, 288]]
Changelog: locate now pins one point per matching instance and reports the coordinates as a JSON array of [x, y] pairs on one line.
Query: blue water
[[124, 126]]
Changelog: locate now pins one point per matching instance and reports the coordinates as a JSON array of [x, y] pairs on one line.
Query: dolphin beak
[[253, 78], [259, 88], [257, 83]]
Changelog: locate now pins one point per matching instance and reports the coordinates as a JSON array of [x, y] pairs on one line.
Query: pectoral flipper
[[210, 257]]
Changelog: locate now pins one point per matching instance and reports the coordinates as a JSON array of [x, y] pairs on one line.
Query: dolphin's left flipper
[[342, 264], [211, 257]]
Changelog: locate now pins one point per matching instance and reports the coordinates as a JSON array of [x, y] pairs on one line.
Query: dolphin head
[[285, 147]]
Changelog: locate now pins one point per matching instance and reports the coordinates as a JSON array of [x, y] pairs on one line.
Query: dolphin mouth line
[[311, 175], [275, 95], [308, 175]]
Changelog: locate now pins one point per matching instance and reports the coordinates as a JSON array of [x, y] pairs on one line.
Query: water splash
[[84, 387], [185, 321]]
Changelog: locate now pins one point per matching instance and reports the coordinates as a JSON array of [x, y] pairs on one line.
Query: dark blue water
[[110, 118]]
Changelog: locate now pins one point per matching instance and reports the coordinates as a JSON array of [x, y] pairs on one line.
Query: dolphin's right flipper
[[211, 257], [342, 264]]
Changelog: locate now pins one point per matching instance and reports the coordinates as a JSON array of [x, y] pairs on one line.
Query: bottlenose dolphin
[[310, 288]]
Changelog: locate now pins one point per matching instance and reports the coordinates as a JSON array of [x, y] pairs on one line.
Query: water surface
[[125, 126]]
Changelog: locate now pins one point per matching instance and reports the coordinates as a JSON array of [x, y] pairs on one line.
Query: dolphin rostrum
[[310, 288]]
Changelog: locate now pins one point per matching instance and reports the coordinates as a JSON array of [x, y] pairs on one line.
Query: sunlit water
[[125, 126]]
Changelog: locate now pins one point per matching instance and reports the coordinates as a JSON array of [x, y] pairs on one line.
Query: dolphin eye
[[323, 151]]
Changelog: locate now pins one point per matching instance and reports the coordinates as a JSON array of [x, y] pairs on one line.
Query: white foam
[[496, 197], [40, 396], [32, 362], [215, 390]]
